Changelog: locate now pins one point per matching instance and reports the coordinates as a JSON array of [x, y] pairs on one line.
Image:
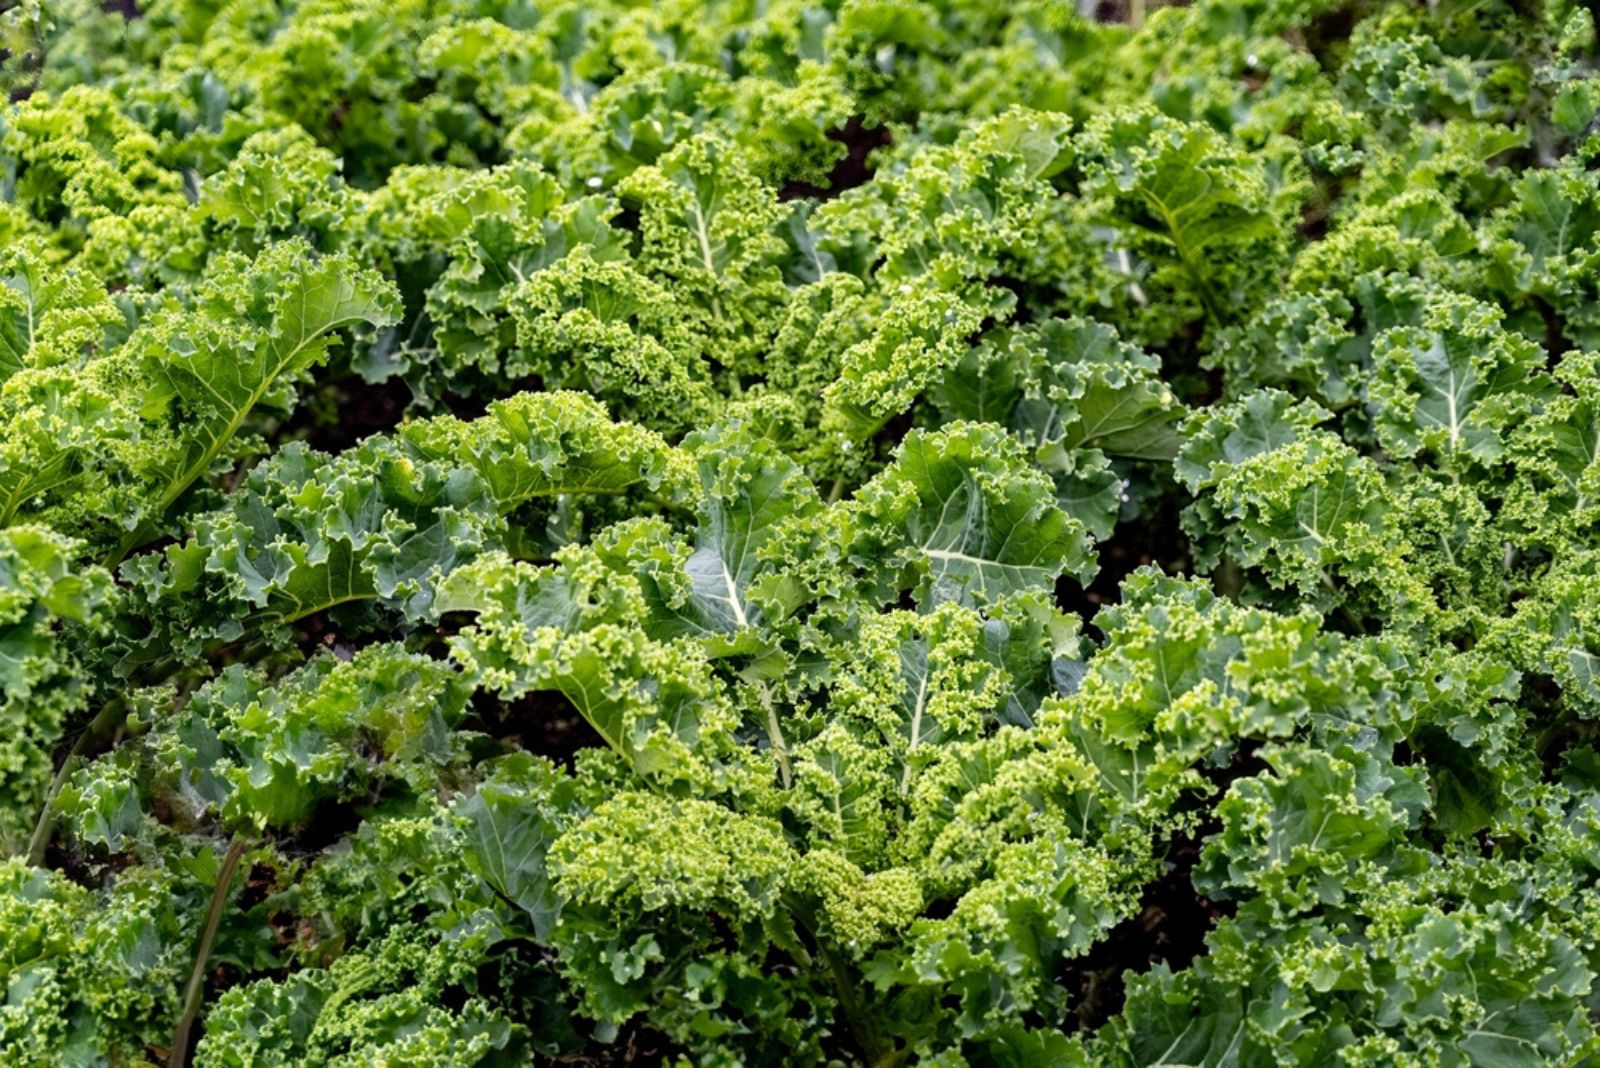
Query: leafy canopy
[[873, 532]]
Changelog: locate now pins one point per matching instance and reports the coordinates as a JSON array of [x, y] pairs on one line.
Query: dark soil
[[1170, 927], [1157, 538], [543, 722], [1171, 924], [634, 1046], [350, 411], [859, 141]]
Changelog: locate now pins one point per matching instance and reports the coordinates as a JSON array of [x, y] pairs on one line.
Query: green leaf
[[962, 518], [730, 585], [508, 825], [1297, 835], [1183, 193], [254, 331], [1457, 385]]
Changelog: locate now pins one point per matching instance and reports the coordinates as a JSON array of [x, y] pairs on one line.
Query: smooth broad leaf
[[508, 824]]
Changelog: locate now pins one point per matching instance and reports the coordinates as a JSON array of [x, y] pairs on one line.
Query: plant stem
[[130, 541], [1229, 578], [875, 1050], [775, 735], [109, 716], [195, 991], [1551, 732], [867, 1038]]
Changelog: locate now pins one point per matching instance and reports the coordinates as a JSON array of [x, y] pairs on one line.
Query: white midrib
[[1452, 407], [193, 471], [705, 253], [1321, 828], [733, 594], [1594, 455], [1455, 418], [951, 554], [916, 729], [705, 238], [1311, 528]]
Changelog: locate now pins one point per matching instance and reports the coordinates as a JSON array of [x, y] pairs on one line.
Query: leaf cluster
[[723, 532]]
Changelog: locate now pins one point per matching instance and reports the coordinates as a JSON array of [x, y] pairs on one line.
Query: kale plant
[[722, 532]]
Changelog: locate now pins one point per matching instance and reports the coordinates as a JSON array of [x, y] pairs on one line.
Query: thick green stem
[[130, 541], [873, 1047], [194, 993], [108, 718], [775, 734], [1546, 737]]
